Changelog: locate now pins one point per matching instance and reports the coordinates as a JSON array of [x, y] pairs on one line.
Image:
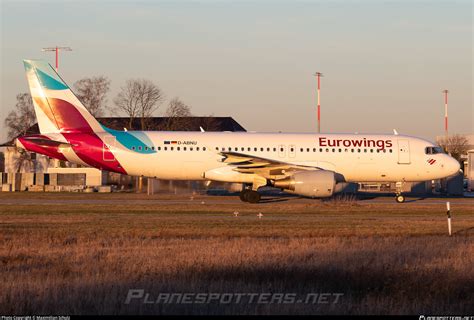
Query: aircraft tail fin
[[57, 108]]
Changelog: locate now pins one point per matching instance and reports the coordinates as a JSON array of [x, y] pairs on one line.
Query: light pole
[[56, 49], [446, 114], [319, 75]]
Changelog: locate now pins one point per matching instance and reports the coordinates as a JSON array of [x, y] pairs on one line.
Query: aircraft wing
[[266, 168]]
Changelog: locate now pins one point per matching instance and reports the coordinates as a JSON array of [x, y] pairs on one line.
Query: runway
[[184, 199]]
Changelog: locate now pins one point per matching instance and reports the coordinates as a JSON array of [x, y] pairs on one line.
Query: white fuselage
[[357, 157]]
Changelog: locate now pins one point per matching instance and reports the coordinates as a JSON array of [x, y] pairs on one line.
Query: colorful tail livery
[[68, 131], [57, 108]]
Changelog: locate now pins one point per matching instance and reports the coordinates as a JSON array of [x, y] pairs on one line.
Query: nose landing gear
[[399, 197]]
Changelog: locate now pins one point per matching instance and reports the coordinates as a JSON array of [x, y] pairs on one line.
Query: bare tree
[[93, 93], [177, 115], [178, 108], [139, 98], [456, 145], [22, 118], [127, 101], [23, 160], [18, 122]]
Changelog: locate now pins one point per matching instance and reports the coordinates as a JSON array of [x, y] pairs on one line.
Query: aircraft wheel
[[400, 198], [244, 195], [253, 197]]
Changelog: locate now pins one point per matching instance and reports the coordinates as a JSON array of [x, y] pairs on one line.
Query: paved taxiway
[[225, 200]]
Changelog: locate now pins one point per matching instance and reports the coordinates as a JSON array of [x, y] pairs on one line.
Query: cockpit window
[[433, 150]]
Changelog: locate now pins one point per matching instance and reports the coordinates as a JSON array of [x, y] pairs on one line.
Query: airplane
[[306, 164]]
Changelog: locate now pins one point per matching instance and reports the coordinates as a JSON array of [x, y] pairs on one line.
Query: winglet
[[395, 132]]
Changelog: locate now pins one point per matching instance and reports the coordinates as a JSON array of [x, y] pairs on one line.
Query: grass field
[[81, 253]]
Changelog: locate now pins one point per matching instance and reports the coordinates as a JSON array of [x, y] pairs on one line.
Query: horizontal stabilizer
[[46, 142]]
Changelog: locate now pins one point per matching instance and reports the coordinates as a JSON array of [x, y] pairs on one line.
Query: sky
[[385, 63]]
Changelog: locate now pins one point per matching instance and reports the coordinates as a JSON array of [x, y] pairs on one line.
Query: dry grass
[[83, 258]]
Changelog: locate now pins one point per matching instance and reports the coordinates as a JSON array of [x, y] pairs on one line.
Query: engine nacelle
[[314, 184]]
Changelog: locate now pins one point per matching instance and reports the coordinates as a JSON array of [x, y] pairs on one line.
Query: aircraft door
[[292, 151], [403, 151], [281, 151], [108, 148]]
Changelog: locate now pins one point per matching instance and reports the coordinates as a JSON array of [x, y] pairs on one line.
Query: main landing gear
[[250, 196], [249, 193]]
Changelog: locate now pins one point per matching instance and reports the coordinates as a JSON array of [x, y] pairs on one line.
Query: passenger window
[[133, 148], [254, 149], [139, 148], [268, 149], [261, 149], [274, 149], [166, 148], [171, 148], [301, 149], [314, 149], [184, 148], [320, 149], [197, 148], [390, 150], [178, 148]]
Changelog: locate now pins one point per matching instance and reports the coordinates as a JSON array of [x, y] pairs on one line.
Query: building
[[469, 171]]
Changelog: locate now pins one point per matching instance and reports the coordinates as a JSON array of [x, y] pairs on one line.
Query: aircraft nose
[[452, 166]]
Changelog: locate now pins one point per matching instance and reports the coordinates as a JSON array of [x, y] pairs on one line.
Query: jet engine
[[314, 184]]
